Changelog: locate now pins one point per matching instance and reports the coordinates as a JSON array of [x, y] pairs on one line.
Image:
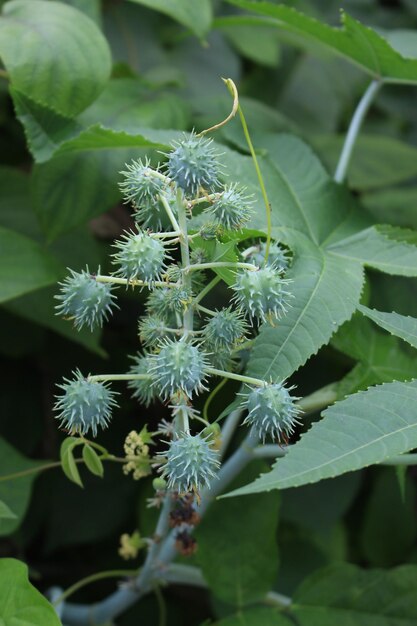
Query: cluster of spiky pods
[[183, 204]]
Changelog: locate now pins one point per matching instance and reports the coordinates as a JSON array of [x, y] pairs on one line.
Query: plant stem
[[207, 289], [133, 283], [228, 429], [105, 377], [270, 451], [210, 397], [204, 310], [233, 90], [244, 379], [54, 465], [170, 214], [117, 573], [319, 399], [214, 264], [401, 459], [354, 128]]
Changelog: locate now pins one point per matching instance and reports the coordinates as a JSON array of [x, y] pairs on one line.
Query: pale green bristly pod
[[85, 300], [272, 411], [191, 463], [85, 405]]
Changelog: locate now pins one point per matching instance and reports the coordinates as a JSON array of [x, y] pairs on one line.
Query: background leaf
[[356, 43], [15, 493], [399, 325], [196, 17], [21, 603], [54, 54], [240, 560], [24, 265]]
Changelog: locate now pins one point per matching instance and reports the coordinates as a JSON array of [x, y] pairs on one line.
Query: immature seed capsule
[[142, 388], [152, 330], [191, 463], [141, 185], [139, 257], [179, 366], [85, 300], [277, 256], [194, 164], [232, 209], [271, 411], [224, 330], [84, 405], [262, 294]]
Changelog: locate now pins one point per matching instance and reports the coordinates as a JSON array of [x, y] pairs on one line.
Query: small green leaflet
[[401, 326], [355, 42]]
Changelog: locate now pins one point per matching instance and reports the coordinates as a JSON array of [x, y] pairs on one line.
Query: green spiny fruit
[[142, 388], [179, 366], [225, 329], [271, 411], [84, 405], [262, 294], [277, 256], [152, 330], [193, 164], [85, 300], [191, 463], [139, 257], [232, 209]]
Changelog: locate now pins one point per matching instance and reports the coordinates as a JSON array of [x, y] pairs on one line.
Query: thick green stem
[[354, 128], [133, 282], [319, 399], [257, 382], [170, 214], [107, 377], [207, 289], [214, 264]]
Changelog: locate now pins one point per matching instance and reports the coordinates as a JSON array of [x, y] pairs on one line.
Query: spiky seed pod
[[277, 257], [84, 405], [191, 463], [194, 164], [262, 294], [225, 329], [85, 300], [271, 411], [211, 230], [152, 330], [198, 255], [178, 367], [142, 389], [232, 209], [139, 257], [155, 217], [141, 185]]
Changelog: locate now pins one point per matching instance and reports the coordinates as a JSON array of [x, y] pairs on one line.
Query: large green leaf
[[125, 106], [240, 561], [399, 325], [22, 604], [24, 265], [381, 357], [356, 43], [382, 248], [376, 161], [389, 543], [194, 15], [260, 616], [344, 595], [54, 54], [15, 493], [361, 430]]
